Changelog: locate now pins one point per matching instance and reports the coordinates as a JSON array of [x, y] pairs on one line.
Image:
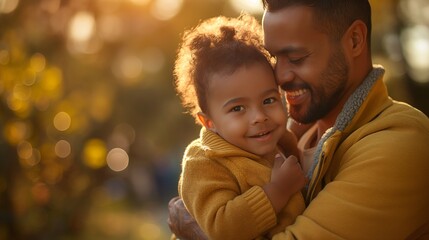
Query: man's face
[[310, 68]]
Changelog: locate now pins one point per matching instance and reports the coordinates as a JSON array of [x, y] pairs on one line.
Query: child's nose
[[259, 116]]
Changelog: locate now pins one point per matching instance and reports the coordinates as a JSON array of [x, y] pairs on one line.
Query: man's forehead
[[293, 19], [289, 13], [291, 30]]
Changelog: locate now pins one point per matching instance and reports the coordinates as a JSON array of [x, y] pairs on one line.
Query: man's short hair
[[332, 17]]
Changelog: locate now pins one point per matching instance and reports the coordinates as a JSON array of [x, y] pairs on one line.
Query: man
[[366, 155]]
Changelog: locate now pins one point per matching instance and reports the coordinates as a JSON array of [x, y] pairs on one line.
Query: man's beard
[[326, 96]]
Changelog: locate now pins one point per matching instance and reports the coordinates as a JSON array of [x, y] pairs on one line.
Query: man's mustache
[[292, 86]]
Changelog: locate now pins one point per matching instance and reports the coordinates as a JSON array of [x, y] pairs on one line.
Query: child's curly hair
[[218, 45]]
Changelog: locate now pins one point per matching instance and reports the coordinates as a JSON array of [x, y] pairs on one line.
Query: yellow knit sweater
[[221, 184]]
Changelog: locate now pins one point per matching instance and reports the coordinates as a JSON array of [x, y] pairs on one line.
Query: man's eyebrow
[[289, 50]]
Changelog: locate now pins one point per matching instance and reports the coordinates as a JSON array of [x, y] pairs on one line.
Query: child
[[230, 182]]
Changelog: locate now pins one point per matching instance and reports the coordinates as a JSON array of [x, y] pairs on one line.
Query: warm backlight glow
[[82, 27], [7, 6], [166, 9], [416, 51], [249, 6]]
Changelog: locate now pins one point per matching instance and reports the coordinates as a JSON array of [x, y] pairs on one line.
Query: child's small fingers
[[292, 159], [278, 160]]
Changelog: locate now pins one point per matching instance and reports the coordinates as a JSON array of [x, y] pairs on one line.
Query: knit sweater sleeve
[[213, 196]]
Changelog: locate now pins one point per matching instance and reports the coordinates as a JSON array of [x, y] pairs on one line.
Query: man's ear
[[356, 38], [206, 121]]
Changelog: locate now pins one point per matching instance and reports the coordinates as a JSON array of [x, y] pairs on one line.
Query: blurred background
[[92, 132]]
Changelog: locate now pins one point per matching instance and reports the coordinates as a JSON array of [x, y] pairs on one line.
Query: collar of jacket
[[368, 100], [215, 146]]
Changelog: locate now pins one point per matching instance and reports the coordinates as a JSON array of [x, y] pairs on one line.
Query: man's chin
[[305, 118], [291, 118], [298, 119]]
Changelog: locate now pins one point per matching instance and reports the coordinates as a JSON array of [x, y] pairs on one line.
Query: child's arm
[[213, 196], [287, 178]]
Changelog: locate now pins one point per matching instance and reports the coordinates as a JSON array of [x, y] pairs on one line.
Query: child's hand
[[287, 178], [287, 174]]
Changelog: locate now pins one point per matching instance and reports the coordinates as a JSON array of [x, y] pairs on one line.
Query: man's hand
[[181, 223]]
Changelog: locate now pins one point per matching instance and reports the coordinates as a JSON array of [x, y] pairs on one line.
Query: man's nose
[[284, 73]]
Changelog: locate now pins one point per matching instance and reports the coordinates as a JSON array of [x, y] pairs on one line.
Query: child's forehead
[[230, 72], [257, 75]]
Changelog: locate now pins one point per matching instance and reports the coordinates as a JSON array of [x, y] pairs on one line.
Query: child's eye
[[237, 109], [270, 100]]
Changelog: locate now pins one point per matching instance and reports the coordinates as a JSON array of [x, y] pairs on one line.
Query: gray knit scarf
[[349, 110]]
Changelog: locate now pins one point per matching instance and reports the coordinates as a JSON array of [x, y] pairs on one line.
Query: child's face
[[245, 108]]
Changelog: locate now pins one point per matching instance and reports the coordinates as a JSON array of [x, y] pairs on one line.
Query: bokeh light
[[416, 51], [37, 63], [62, 121], [117, 159], [100, 108], [166, 9], [8, 6], [415, 11], [82, 27], [81, 32], [62, 149], [129, 67], [18, 100], [122, 136], [25, 150], [110, 28], [41, 193], [16, 131], [94, 153]]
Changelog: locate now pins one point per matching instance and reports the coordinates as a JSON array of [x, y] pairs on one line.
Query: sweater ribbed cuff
[[260, 205]]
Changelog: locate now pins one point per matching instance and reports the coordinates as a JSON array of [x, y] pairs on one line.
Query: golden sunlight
[[140, 2], [82, 27], [8, 6], [248, 6], [166, 9]]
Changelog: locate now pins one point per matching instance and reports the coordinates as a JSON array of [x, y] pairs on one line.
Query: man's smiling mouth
[[296, 93]]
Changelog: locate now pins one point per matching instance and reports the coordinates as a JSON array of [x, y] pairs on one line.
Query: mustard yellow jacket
[[371, 174], [220, 186]]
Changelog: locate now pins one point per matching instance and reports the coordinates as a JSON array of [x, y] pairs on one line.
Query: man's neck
[[326, 123]]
